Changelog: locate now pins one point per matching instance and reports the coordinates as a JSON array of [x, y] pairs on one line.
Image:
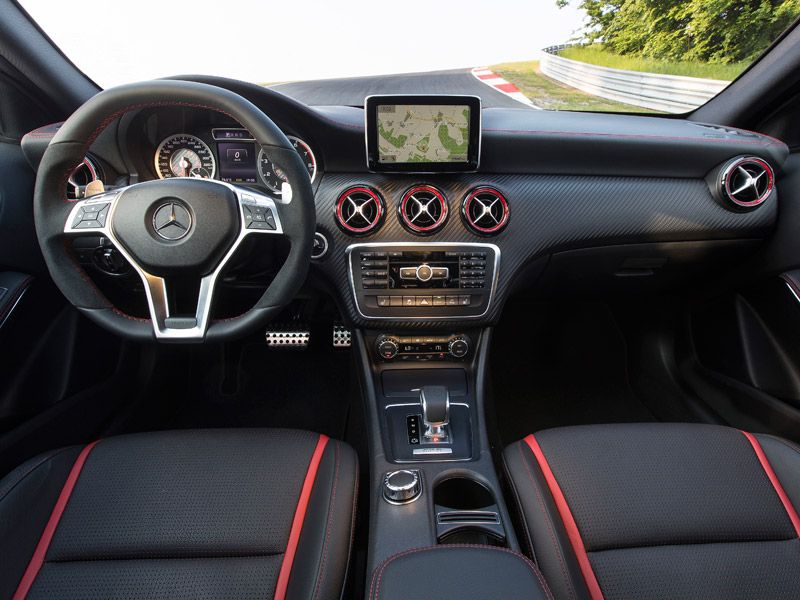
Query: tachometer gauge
[[184, 155], [273, 176]]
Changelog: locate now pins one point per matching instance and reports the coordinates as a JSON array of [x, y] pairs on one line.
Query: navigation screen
[[419, 133], [423, 133]]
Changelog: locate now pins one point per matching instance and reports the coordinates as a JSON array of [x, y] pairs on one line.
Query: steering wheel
[[179, 228]]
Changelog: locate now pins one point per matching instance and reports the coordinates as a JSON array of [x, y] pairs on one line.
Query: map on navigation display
[[423, 133]]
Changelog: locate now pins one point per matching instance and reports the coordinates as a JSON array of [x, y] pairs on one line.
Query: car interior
[[252, 350]]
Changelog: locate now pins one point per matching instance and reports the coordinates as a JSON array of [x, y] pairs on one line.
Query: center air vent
[[423, 209], [485, 211], [83, 174], [746, 182], [359, 210]]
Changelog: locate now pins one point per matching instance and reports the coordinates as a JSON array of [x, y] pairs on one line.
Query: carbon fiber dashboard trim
[[549, 213]]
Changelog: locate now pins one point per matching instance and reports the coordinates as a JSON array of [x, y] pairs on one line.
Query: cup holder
[[461, 493], [467, 513]]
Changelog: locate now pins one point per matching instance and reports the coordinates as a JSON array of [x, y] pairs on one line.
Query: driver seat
[[223, 514]]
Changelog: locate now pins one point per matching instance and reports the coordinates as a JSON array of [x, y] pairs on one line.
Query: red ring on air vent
[[359, 210], [494, 222], [431, 219], [729, 175]]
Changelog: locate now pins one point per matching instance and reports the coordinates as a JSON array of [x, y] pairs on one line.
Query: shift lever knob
[[435, 401]]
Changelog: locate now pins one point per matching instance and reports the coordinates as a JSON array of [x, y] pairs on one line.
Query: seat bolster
[[27, 497], [320, 566], [544, 531], [784, 458]]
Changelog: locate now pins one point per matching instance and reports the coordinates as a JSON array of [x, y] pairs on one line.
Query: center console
[[433, 477], [417, 281]]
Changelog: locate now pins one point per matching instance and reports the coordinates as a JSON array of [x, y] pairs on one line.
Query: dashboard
[[543, 201]]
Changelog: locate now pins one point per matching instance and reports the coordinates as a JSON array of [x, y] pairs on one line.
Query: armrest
[[458, 572], [12, 287]]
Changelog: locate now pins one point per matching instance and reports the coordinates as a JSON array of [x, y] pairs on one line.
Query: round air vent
[[84, 173], [746, 182], [485, 211], [423, 209], [359, 210]]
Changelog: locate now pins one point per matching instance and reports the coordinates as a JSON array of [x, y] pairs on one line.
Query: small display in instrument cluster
[[237, 162]]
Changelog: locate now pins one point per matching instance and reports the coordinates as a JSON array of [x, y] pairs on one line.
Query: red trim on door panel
[[573, 533], [299, 517], [37, 560], [773, 478]]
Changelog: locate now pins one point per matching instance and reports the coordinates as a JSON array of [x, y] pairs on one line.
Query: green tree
[[721, 31]]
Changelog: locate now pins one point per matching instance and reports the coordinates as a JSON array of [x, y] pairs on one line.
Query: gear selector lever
[[435, 401]]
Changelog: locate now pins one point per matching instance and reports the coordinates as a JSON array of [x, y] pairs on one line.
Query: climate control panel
[[408, 347]]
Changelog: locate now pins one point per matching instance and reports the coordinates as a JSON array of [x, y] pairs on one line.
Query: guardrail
[[664, 93]]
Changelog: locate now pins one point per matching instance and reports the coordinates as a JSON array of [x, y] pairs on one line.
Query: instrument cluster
[[233, 157]]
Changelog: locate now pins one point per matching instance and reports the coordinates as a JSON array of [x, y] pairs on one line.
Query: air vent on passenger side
[[359, 210], [485, 211], [423, 209], [83, 174], [745, 182]]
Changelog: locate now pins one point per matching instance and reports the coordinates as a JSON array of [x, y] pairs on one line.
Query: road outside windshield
[[649, 56]]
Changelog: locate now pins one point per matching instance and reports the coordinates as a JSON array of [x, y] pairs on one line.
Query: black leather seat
[[185, 514], [660, 511]]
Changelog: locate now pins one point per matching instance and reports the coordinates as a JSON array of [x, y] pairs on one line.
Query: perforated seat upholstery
[[185, 514], [660, 511]]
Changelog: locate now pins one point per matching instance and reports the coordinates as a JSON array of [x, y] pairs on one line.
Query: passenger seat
[[651, 511]]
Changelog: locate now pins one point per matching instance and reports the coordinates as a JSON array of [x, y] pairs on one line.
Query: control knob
[[400, 487], [459, 348], [387, 347]]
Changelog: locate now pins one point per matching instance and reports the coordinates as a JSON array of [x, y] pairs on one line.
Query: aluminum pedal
[[342, 337], [290, 337]]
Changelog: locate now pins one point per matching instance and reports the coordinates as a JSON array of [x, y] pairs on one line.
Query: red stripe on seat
[[773, 478], [37, 560], [299, 517], [573, 533]]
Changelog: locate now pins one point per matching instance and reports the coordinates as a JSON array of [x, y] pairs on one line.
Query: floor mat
[[247, 384], [557, 365]]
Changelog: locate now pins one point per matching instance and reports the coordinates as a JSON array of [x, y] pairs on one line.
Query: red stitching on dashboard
[[633, 136]]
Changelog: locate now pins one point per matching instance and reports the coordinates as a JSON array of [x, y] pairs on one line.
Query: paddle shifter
[[435, 401]]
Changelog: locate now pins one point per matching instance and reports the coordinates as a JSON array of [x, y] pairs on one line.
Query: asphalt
[[351, 91]]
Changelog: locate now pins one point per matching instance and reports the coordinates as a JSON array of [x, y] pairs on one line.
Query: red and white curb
[[503, 86]]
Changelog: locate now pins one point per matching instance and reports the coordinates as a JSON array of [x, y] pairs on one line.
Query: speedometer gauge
[[184, 155], [273, 176]]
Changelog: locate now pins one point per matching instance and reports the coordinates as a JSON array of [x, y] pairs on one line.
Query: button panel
[[418, 280], [91, 216]]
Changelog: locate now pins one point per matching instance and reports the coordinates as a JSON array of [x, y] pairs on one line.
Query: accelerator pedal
[[342, 337]]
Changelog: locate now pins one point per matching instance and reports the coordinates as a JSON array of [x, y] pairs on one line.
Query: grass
[[552, 95], [597, 55]]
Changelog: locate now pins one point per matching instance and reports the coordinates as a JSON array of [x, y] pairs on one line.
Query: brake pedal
[[290, 337], [342, 337]]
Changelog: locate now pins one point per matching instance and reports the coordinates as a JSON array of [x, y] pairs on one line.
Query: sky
[[293, 40]]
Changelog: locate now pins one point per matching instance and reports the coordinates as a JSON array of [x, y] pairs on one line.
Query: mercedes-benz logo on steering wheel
[[172, 221]]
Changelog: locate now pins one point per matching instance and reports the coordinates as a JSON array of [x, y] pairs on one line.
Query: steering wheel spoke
[[92, 215], [258, 215]]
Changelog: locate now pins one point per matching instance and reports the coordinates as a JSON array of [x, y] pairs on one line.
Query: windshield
[[538, 54]]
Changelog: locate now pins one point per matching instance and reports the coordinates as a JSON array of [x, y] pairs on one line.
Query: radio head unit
[[423, 281]]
